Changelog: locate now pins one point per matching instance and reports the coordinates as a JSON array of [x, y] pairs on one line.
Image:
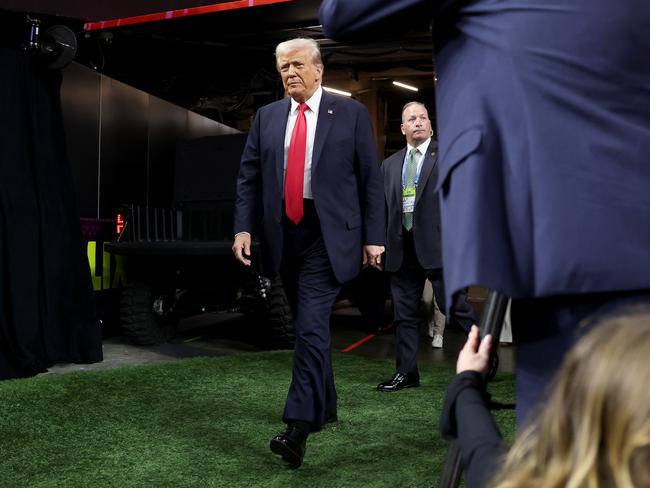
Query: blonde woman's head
[[595, 429]]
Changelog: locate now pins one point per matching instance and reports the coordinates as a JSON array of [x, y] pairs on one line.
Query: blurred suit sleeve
[[359, 19]]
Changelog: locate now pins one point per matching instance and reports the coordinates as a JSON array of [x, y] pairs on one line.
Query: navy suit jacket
[[543, 113], [426, 214], [345, 180]]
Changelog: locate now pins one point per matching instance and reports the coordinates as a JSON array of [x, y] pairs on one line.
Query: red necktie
[[295, 175]]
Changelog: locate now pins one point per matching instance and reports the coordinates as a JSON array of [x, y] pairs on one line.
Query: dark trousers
[[407, 285], [311, 289], [544, 329]]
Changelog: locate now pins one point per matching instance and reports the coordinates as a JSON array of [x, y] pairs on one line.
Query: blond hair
[[299, 44], [594, 431]]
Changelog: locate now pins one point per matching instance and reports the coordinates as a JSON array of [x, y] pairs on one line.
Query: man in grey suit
[[413, 251]]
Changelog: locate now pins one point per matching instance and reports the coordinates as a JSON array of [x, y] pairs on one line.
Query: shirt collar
[[422, 148], [313, 103]]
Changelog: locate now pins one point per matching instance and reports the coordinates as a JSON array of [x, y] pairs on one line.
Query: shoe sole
[[287, 454], [398, 389]]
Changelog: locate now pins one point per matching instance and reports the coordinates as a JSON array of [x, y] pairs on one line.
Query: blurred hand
[[475, 354], [241, 248], [372, 256]]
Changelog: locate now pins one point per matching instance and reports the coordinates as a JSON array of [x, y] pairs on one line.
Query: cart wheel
[[145, 314]]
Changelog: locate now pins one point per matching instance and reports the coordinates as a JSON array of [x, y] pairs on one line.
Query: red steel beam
[[177, 14]]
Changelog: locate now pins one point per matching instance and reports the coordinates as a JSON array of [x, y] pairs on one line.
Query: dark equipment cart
[[179, 259]]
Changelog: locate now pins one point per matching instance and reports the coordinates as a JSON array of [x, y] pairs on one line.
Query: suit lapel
[[428, 165], [326, 114], [396, 177], [279, 130]]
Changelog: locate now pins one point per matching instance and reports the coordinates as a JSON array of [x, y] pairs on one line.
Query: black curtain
[[47, 310]]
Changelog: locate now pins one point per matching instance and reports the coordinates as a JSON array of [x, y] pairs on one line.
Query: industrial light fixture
[[338, 92], [404, 85], [56, 46]]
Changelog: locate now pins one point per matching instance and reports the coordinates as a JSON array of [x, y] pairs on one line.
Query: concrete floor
[[216, 335]]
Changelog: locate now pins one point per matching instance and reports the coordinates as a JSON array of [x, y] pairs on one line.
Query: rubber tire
[[139, 322], [280, 319]]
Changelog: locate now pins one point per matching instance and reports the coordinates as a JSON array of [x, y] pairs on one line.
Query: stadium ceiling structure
[[216, 57]]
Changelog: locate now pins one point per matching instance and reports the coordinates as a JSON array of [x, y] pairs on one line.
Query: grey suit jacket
[[426, 215]]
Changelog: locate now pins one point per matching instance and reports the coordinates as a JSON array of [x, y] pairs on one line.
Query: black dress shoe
[[290, 445], [399, 381]]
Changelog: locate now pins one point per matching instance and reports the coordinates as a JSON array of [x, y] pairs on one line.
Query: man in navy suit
[[543, 144], [413, 249], [310, 185]]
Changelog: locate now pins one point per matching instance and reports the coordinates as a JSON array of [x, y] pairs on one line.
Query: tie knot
[[413, 152], [302, 107]]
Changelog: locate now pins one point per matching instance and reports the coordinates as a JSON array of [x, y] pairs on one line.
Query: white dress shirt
[[422, 149], [311, 114]]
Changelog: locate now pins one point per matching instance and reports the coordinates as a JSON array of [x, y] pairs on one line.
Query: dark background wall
[[101, 9], [122, 141]]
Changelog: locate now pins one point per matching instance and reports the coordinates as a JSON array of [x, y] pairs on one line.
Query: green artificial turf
[[207, 422]]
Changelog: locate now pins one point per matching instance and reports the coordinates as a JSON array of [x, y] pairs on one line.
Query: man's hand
[[241, 248], [475, 354], [372, 256]]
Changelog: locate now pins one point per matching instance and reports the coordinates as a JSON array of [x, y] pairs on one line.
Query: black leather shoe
[[290, 445], [399, 381]]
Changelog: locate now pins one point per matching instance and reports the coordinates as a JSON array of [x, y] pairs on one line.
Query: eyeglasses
[[413, 120]]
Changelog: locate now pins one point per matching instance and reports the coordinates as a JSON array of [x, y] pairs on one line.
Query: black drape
[[47, 311]]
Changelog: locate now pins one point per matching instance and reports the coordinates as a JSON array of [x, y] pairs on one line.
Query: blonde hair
[[594, 431], [299, 44]]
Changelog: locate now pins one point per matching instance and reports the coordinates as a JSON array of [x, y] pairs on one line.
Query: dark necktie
[[295, 175]]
